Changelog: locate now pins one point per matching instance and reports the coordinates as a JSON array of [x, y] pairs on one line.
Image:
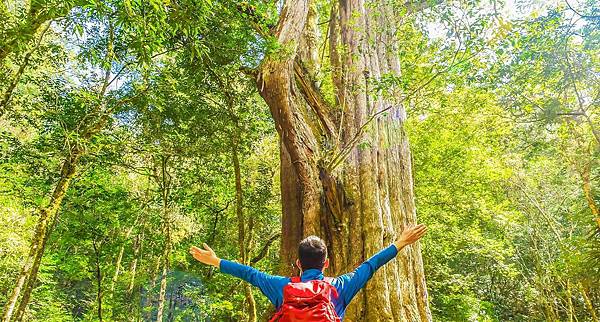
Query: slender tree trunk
[[587, 190], [570, 310], [98, 281], [46, 219], [244, 252], [163, 291], [358, 199], [166, 191], [120, 259], [48, 215], [133, 268], [588, 303]]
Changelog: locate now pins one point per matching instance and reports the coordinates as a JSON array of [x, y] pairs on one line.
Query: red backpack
[[307, 301]]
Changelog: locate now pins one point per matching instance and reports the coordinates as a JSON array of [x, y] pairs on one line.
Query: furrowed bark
[[360, 206]]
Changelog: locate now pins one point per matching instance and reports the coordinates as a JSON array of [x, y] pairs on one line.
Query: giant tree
[[346, 170]]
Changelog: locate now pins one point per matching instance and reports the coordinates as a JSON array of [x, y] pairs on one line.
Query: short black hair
[[312, 253]]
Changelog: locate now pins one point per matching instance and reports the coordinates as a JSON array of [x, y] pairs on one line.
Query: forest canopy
[[131, 130]]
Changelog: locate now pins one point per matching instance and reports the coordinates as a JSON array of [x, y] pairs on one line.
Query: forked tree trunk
[[346, 171]]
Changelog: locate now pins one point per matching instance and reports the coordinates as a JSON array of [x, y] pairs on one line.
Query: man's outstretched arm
[[354, 281], [270, 285]]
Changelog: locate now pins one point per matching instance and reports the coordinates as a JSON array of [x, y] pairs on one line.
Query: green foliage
[[501, 118]]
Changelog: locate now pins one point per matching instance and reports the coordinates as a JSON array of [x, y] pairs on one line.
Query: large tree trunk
[[358, 199]]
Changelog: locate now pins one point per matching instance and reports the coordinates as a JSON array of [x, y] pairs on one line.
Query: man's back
[[312, 260], [347, 285]]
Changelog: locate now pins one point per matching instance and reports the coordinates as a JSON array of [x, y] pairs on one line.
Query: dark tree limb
[[265, 249]]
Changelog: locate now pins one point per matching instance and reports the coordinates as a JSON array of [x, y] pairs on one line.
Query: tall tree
[[346, 171]]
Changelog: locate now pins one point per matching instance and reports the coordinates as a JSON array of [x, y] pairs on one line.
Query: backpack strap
[[329, 280]]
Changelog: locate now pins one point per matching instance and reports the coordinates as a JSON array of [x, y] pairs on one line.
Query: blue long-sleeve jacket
[[347, 285]]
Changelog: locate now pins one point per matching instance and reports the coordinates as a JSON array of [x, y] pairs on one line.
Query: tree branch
[[265, 249], [315, 99]]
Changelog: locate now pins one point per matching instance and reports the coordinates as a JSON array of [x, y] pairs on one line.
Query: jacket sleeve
[[351, 283], [271, 286]]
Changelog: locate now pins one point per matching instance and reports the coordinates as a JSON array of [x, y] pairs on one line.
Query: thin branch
[[17, 77], [265, 249], [580, 14], [345, 151]]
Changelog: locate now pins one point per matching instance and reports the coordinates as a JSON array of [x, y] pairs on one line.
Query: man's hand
[[206, 255], [410, 235]]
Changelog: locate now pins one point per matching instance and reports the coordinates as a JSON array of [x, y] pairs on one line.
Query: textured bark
[[358, 199]]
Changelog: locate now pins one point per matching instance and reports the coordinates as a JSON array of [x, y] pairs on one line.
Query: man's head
[[312, 253]]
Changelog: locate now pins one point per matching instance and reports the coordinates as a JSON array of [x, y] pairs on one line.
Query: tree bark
[[342, 176]]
